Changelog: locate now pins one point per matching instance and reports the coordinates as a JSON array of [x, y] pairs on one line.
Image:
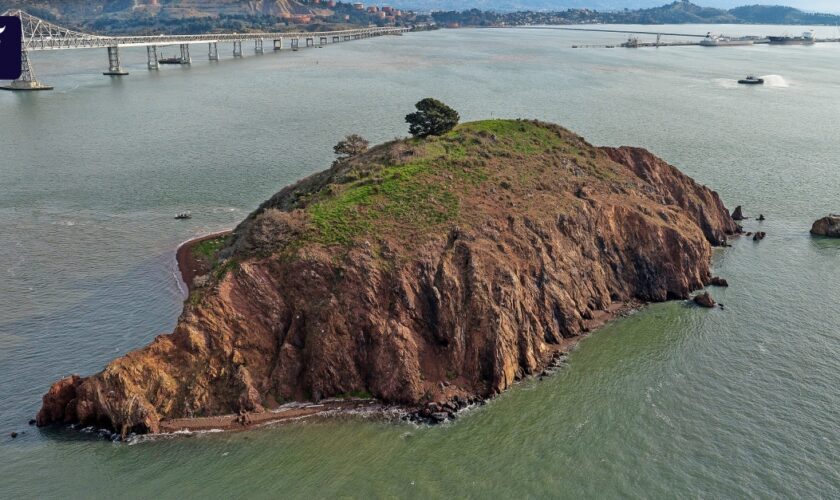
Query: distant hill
[[677, 12], [199, 16], [601, 5], [88, 9], [775, 14], [192, 16]]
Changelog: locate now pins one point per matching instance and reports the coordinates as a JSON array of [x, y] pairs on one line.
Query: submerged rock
[[827, 226], [356, 280], [738, 214], [760, 235]]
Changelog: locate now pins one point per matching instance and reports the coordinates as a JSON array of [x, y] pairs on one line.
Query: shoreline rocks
[[344, 284], [738, 214], [719, 282], [828, 226], [704, 300]]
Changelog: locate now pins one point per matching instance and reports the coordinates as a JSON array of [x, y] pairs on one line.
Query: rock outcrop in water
[[827, 226], [422, 270], [704, 300]]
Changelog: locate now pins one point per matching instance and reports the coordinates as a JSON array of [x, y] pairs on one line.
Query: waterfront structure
[[39, 34]]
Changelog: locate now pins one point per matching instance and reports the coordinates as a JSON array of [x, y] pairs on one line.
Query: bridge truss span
[[39, 34]]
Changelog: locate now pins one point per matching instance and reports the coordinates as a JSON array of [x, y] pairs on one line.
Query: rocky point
[[421, 272]]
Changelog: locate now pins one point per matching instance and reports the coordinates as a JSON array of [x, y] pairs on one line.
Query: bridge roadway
[[39, 34]]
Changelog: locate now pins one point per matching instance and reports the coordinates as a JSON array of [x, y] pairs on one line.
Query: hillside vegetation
[[422, 271]]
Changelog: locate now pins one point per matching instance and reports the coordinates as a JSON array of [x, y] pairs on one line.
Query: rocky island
[[424, 269]]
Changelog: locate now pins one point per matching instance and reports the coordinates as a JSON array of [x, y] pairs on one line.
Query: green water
[[672, 402]]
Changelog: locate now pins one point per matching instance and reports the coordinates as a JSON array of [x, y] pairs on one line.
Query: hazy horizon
[[828, 6]]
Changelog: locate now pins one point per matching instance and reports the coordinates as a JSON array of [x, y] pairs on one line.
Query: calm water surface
[[674, 401]]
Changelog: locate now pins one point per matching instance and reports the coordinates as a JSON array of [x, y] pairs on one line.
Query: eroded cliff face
[[466, 259]]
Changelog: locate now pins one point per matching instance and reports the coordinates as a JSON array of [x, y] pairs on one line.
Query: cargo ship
[[807, 38], [725, 41]]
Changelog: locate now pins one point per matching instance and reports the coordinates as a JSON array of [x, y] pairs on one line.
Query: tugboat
[[631, 43], [751, 80], [184, 216], [724, 41]]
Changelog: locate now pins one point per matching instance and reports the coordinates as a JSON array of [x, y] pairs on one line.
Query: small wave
[[144, 438]]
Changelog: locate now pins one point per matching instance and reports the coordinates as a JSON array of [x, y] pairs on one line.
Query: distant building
[[359, 6]]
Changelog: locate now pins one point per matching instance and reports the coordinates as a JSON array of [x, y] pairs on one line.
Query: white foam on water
[[777, 81], [726, 83]]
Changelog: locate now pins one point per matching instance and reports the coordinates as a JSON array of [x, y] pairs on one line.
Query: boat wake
[[772, 81], [776, 81], [726, 83]]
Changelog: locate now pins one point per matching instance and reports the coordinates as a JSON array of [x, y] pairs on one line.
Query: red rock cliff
[[465, 259]]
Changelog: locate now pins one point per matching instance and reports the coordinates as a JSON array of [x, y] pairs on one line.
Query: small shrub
[[274, 229], [351, 146]]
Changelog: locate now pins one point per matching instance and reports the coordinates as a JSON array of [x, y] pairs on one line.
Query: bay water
[[674, 401]]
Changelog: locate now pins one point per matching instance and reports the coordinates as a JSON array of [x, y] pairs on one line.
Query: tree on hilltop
[[431, 118]]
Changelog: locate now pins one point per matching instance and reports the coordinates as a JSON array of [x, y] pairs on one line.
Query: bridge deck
[[39, 34]]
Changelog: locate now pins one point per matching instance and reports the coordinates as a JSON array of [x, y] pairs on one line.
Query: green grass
[[209, 248], [222, 268], [515, 136], [406, 194], [195, 297], [355, 394], [423, 193]]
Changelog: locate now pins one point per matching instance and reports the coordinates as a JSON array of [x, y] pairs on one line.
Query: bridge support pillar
[[310, 42], [278, 44], [322, 41], [237, 48], [347, 38], [185, 54], [27, 80], [152, 57], [336, 39], [213, 51], [114, 66], [258, 46], [295, 43]]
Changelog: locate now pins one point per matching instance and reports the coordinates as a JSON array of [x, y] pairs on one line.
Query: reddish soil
[[452, 280], [188, 264]]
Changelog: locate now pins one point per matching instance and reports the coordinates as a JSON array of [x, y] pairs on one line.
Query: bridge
[[39, 34]]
